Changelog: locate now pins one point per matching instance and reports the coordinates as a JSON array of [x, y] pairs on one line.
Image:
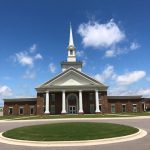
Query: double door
[[72, 110]]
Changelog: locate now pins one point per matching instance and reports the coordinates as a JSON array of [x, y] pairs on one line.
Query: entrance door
[[72, 109]]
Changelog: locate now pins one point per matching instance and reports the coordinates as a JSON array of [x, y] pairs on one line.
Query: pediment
[[71, 77]]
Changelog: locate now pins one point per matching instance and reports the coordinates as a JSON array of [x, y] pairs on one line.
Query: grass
[[75, 116], [70, 131]]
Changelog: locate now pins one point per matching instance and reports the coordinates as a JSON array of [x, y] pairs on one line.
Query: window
[[10, 111], [21, 110], [113, 109], [100, 107], [52, 110], [31, 110], [91, 96], [123, 107], [134, 108], [92, 109], [71, 52], [52, 97], [99, 97], [44, 109]]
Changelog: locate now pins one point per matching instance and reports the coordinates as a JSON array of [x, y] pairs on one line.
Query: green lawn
[[70, 131], [75, 116]]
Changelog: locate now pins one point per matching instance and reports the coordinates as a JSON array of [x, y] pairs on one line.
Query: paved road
[[140, 144]]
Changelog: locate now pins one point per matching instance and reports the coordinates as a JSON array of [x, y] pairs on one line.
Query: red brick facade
[[55, 106]]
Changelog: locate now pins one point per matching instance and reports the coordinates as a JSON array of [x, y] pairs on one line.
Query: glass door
[[72, 109]]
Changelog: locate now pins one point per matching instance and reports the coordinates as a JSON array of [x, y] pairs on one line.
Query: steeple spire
[[71, 48], [71, 59], [71, 37]]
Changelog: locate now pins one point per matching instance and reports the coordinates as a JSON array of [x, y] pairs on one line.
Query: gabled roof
[[73, 76]]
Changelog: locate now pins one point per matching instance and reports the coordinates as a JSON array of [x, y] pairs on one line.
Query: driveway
[[139, 144]]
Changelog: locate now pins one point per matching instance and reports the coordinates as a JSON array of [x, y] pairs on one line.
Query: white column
[[80, 102], [47, 103], [63, 103], [144, 107], [97, 102]]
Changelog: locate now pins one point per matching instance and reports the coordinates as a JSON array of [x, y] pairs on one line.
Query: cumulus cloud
[[97, 35], [52, 67], [29, 74], [5, 91], [28, 57], [148, 78], [24, 59], [33, 48], [122, 91], [107, 73], [134, 46], [130, 78], [38, 56], [144, 91], [80, 53], [115, 50], [110, 53]]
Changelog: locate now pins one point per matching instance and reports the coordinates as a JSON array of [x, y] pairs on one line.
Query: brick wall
[[16, 106], [129, 105]]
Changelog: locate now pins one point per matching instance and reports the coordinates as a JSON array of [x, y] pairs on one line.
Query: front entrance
[[72, 103], [72, 110]]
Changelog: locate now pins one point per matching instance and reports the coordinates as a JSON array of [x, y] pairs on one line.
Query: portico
[[72, 102]]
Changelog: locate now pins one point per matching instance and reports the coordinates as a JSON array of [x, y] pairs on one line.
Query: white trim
[[66, 72]]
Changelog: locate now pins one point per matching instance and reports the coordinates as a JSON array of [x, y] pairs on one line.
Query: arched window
[[72, 97]]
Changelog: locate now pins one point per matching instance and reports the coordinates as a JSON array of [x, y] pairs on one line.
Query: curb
[[140, 134], [65, 119]]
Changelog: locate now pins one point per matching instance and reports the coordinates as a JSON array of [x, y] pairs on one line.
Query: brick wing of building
[[73, 92]]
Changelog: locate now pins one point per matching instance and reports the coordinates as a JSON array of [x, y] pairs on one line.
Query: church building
[[72, 92]]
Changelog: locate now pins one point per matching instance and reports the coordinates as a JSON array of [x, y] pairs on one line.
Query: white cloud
[[107, 73], [115, 51], [5, 91], [134, 46], [98, 35], [80, 53], [148, 78], [33, 48], [145, 92], [52, 68], [122, 91], [38, 56], [29, 74], [110, 53], [129, 78], [24, 59]]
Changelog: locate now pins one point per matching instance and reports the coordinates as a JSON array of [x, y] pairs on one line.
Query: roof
[[19, 99], [126, 97], [76, 72]]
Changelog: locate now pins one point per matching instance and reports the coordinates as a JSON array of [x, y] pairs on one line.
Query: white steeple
[[71, 37], [71, 48], [71, 59]]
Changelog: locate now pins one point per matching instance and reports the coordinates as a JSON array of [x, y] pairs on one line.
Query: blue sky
[[111, 38]]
